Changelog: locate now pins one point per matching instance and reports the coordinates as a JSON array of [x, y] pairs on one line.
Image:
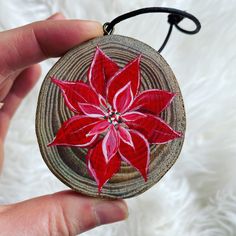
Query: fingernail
[[110, 211], [56, 16], [92, 26]]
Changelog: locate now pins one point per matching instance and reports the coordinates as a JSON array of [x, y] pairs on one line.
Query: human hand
[[62, 213]]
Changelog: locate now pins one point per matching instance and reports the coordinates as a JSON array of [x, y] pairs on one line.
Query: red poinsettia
[[113, 119]]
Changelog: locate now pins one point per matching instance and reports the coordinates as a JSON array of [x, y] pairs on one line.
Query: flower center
[[113, 117]]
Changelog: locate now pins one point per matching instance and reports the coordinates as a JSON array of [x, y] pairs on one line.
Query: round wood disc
[[68, 163]]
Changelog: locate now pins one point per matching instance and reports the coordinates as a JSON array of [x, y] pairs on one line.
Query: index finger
[[38, 41]]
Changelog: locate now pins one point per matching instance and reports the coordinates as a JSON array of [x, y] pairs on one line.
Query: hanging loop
[[174, 18], [106, 32]]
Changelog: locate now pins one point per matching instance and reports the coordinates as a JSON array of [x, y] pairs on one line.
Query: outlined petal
[[99, 128], [132, 116], [110, 67], [76, 92], [101, 70], [152, 101], [137, 156], [125, 135], [99, 168], [123, 98], [102, 101], [91, 110], [110, 143], [155, 129], [130, 73], [73, 132]]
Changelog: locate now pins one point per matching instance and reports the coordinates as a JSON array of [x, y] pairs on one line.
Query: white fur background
[[198, 195]]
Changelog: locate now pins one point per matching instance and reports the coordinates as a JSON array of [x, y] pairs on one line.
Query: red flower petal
[[123, 98], [130, 73], [137, 156], [76, 92], [102, 101], [110, 143], [132, 116], [74, 132], [91, 110], [100, 169], [125, 136], [99, 127], [154, 129], [101, 70], [153, 101]]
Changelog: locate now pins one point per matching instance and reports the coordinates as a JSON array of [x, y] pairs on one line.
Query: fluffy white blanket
[[198, 195]]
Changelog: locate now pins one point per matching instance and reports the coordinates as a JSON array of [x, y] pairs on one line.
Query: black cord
[[174, 18]]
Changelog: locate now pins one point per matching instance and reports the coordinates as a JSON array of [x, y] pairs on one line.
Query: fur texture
[[198, 195]]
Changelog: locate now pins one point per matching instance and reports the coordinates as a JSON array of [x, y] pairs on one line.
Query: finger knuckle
[[58, 222]]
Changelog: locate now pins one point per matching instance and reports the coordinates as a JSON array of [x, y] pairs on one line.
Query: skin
[[66, 212]]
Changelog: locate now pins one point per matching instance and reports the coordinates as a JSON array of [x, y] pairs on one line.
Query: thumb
[[63, 213]]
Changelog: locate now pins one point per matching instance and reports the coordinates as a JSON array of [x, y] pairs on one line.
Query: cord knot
[[174, 19]]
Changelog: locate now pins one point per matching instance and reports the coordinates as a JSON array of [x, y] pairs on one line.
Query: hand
[[67, 212]]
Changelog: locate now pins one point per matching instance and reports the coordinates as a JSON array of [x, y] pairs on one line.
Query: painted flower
[[113, 119]]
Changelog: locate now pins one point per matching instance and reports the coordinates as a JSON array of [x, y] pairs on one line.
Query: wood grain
[[68, 164]]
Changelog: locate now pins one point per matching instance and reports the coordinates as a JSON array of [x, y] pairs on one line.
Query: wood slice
[[68, 163]]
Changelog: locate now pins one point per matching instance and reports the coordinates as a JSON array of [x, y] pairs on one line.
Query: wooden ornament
[[69, 163]]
